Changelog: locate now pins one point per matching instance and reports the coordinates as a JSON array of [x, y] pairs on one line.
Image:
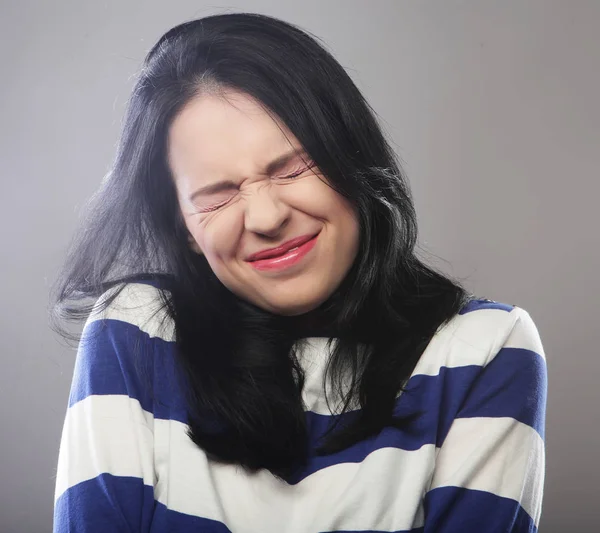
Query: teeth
[[292, 249]]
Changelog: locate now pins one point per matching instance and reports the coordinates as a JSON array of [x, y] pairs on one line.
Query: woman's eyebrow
[[275, 165]]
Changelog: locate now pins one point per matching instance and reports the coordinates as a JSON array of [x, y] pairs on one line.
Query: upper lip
[[281, 249]]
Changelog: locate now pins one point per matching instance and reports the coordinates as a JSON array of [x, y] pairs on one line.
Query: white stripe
[[469, 339], [384, 492], [475, 338], [105, 434], [497, 455], [140, 305], [525, 334]]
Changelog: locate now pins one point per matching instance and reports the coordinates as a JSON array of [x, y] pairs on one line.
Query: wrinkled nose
[[265, 213]]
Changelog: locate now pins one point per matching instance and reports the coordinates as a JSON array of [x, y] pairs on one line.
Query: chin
[[290, 305], [292, 309]]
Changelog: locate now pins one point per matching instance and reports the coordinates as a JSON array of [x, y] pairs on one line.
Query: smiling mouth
[[283, 256]]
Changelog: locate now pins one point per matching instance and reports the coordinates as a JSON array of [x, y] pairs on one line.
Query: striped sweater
[[472, 461]]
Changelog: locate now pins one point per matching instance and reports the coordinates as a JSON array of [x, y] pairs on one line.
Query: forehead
[[225, 136]]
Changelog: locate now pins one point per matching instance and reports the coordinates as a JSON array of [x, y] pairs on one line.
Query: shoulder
[[487, 362], [123, 345], [477, 335], [140, 305], [493, 325]]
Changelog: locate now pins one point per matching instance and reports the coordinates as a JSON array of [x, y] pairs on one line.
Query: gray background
[[493, 107]]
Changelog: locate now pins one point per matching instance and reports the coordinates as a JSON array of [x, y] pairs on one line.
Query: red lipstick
[[287, 254]]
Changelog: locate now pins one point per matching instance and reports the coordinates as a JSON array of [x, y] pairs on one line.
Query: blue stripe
[[110, 503], [116, 357], [433, 400], [167, 520], [158, 282], [105, 503], [453, 510], [513, 385], [481, 303]]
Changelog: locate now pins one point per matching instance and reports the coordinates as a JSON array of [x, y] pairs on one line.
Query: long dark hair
[[243, 379]]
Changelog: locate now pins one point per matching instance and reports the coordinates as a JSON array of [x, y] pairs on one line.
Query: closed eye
[[213, 207], [297, 173]]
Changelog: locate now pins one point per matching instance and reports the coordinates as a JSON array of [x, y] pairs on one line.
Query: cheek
[[346, 220], [309, 195], [217, 235], [339, 210]]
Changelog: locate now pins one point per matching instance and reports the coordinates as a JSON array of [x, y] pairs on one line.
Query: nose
[[265, 213]]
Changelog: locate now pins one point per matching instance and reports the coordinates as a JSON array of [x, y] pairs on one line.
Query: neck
[[312, 324]]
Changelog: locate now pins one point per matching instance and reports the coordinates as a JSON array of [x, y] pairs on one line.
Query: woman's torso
[[377, 484]]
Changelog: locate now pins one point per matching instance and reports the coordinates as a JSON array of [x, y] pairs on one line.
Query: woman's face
[[271, 228]]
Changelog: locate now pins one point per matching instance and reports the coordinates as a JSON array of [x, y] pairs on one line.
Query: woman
[[266, 353]]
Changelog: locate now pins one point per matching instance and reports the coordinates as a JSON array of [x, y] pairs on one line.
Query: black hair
[[243, 379]]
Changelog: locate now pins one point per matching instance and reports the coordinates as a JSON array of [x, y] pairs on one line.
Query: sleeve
[[105, 473], [489, 473]]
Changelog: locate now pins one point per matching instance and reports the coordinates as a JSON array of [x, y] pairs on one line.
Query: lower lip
[[287, 260]]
